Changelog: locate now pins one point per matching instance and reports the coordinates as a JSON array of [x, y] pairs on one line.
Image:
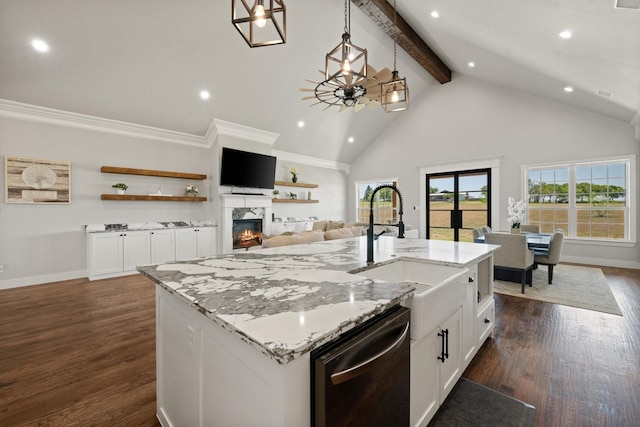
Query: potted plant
[[121, 187], [516, 211], [294, 174], [276, 192], [192, 190]]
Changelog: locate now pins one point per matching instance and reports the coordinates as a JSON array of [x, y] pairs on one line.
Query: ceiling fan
[[345, 93]]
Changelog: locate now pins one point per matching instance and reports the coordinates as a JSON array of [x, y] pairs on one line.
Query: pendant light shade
[[346, 64], [262, 24], [394, 94]]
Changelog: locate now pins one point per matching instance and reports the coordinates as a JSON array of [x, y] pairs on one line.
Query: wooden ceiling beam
[[381, 12]]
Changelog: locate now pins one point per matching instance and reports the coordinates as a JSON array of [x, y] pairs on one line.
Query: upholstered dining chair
[[552, 257], [486, 229], [513, 255], [530, 228], [477, 232]]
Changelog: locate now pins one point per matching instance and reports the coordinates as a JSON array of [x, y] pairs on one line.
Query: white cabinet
[[469, 309], [162, 246], [436, 366], [193, 243], [112, 254]]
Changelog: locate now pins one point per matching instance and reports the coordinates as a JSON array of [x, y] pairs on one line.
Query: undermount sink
[[439, 289]]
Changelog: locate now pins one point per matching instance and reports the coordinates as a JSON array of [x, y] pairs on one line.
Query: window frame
[[375, 183], [631, 208]]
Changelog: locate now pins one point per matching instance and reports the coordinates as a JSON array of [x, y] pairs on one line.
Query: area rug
[[471, 404], [575, 286]]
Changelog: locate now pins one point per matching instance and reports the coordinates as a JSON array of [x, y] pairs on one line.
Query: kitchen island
[[234, 332]]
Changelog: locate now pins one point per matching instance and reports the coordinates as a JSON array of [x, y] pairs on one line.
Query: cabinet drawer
[[486, 320]]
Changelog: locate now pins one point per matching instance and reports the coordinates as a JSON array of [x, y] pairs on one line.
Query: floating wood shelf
[[294, 201], [152, 198], [149, 172], [295, 184]]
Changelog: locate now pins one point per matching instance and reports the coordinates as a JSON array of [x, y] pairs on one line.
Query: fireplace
[[247, 233]]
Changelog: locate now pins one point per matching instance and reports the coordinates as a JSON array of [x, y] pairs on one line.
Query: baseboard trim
[[601, 262], [38, 280]]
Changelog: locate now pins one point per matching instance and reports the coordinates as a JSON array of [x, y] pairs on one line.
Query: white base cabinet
[[111, 254], [194, 243], [118, 253]]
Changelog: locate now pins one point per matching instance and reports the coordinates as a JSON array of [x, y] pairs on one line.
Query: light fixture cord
[[347, 25], [394, 35]]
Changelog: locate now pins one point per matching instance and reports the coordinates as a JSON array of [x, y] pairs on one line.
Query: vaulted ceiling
[[145, 62]]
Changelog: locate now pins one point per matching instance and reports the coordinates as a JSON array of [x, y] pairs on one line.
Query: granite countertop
[[288, 300], [105, 228]]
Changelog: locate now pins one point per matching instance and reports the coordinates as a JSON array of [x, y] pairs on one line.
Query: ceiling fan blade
[[359, 106], [305, 89], [373, 104], [342, 108], [308, 97], [327, 107], [384, 75]]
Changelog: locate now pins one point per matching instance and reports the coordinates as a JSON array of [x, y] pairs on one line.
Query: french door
[[457, 203]]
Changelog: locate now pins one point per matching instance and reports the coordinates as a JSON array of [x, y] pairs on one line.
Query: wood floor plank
[[80, 353]]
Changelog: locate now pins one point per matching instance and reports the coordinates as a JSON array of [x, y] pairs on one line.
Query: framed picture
[[37, 181]]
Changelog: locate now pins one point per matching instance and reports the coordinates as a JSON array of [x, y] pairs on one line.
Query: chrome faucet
[[370, 236]]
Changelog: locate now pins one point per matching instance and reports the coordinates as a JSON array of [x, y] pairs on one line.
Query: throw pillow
[[320, 225], [333, 225], [338, 233]]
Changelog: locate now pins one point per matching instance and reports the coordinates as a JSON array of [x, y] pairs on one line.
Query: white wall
[[468, 119], [41, 243]]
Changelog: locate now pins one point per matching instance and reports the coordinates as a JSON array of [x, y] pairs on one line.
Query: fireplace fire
[[247, 233]]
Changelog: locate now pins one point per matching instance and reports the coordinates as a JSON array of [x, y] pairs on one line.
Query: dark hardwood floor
[[79, 353]]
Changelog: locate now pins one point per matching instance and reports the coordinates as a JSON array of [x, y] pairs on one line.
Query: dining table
[[539, 242]]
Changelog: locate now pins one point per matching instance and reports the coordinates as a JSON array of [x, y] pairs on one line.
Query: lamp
[[348, 58], [251, 21], [394, 93]]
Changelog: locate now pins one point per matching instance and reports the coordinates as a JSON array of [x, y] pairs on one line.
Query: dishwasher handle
[[358, 369]]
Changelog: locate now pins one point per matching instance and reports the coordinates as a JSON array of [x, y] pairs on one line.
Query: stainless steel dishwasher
[[363, 378]]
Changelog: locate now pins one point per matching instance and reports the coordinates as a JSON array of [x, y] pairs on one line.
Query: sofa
[[330, 230]]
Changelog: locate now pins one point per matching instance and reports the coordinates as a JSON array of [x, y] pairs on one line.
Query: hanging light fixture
[[394, 93], [346, 64], [251, 21]]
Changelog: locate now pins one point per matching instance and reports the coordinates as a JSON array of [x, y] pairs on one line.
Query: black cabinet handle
[[486, 320], [471, 280], [446, 353], [442, 356]]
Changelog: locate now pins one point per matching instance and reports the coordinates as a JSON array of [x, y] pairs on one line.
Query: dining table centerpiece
[[517, 211]]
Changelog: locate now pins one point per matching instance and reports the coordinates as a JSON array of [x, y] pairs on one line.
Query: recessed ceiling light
[[300, 124], [568, 89], [471, 64], [350, 140], [565, 34], [40, 45], [205, 94], [435, 14]]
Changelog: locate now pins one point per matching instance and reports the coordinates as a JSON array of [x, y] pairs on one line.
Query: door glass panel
[[465, 193]]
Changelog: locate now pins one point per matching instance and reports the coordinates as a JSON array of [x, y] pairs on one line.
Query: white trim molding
[[45, 278], [34, 113], [311, 161], [245, 132]]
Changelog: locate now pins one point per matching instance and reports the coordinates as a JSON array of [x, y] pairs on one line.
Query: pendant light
[[394, 93], [346, 64], [251, 21]]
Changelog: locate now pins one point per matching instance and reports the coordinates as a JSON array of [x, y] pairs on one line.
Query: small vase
[[515, 230], [120, 191], [294, 178]]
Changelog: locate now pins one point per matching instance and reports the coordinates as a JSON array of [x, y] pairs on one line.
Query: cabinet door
[[136, 249], [162, 246], [105, 253], [469, 310], [206, 241], [451, 369], [185, 244], [424, 379]]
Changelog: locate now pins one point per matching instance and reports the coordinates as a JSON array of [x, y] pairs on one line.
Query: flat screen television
[[245, 169]]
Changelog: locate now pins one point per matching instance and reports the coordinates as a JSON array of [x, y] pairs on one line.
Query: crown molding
[[245, 132], [311, 161], [34, 113]]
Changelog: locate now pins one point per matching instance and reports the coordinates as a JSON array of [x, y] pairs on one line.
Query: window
[[588, 200], [385, 205]]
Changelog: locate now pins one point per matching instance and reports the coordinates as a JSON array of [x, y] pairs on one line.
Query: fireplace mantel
[[228, 202]]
